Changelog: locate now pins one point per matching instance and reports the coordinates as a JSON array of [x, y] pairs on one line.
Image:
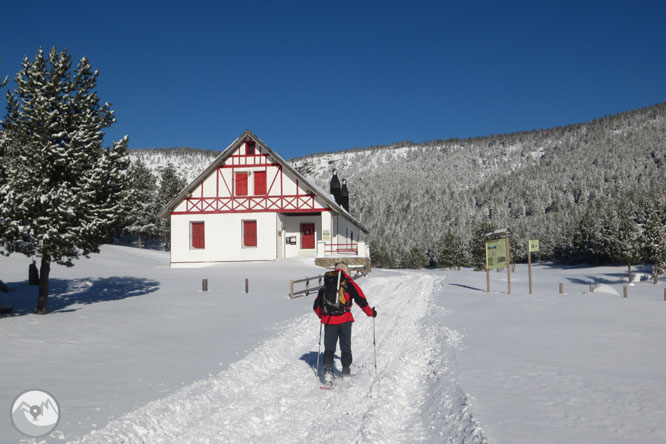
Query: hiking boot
[[346, 371]]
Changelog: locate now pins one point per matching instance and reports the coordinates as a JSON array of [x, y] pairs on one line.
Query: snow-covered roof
[[219, 160]]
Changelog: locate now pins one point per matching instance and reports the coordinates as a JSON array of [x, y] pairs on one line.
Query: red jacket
[[352, 292]]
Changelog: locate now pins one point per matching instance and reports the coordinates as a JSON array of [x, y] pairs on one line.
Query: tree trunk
[[629, 269], [43, 297]]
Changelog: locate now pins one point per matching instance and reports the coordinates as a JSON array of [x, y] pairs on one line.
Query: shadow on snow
[[67, 295]]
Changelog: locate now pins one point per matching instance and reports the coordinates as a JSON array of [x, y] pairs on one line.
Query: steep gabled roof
[[219, 160]]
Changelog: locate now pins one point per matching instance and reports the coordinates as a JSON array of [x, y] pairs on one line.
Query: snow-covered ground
[[134, 352]]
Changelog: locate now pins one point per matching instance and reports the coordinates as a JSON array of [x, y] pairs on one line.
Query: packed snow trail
[[273, 396]]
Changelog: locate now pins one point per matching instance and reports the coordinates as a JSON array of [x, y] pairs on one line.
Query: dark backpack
[[334, 298]]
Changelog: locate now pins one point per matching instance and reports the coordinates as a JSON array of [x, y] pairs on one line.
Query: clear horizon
[[309, 78]]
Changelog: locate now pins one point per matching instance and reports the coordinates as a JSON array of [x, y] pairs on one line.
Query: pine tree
[[62, 191], [3, 174], [382, 257], [448, 251], [416, 258], [654, 237], [626, 246], [143, 203], [170, 185]]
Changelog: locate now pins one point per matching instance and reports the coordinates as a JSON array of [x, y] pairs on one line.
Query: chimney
[[335, 187], [344, 195]]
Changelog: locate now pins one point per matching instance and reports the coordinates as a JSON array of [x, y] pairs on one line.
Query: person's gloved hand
[[374, 312]]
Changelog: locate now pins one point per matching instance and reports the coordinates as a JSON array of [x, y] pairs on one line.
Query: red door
[[307, 236]]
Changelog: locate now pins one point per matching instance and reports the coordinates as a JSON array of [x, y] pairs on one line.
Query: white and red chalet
[[250, 204]]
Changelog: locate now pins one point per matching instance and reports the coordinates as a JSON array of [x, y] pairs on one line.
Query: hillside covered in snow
[[540, 184]]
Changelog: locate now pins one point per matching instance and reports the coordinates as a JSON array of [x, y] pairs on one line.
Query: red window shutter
[[249, 233], [260, 183], [198, 235], [241, 184]]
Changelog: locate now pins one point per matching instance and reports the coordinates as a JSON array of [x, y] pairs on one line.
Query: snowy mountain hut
[[250, 205]]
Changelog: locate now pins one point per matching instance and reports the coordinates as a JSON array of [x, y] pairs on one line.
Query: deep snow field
[[135, 352]]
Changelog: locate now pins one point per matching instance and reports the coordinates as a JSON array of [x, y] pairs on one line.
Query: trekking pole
[[374, 341], [319, 352]]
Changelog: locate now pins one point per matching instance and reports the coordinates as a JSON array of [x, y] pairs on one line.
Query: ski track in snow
[[273, 396]]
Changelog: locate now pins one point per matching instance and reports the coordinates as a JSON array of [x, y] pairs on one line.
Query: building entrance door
[[307, 236]]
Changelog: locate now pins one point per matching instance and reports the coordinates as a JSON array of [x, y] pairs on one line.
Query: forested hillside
[[188, 162], [539, 184], [589, 192]]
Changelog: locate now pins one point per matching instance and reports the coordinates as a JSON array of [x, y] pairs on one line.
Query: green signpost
[[498, 254]]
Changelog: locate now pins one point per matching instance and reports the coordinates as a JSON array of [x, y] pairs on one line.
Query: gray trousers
[[331, 335]]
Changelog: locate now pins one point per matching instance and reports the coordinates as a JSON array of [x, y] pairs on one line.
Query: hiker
[[335, 313]]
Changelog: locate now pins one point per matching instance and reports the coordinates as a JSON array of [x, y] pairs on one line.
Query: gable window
[[198, 235], [241, 184], [249, 233], [250, 145], [259, 183]]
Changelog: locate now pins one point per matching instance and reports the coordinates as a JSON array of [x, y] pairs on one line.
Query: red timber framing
[[263, 201]]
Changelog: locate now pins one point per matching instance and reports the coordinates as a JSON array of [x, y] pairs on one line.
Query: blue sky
[[316, 76]]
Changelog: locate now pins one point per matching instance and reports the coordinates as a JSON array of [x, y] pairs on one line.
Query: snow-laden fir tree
[[143, 203], [170, 185], [63, 189]]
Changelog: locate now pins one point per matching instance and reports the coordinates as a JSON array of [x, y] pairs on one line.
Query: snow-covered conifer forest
[[589, 192]]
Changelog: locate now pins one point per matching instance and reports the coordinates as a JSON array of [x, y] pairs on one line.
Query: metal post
[[626, 291], [487, 279], [374, 341], [529, 267], [247, 285], [319, 352], [508, 263]]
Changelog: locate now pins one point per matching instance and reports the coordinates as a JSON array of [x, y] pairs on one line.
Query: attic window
[[250, 144]]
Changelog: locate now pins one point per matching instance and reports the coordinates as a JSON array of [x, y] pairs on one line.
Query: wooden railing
[[342, 248], [358, 273]]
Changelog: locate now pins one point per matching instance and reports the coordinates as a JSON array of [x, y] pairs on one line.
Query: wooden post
[[247, 285], [626, 291], [529, 266], [591, 288], [631, 276], [487, 279], [561, 288], [307, 286], [204, 285], [508, 262], [664, 294], [291, 289]]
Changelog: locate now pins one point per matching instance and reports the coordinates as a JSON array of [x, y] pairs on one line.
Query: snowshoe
[[329, 377]]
